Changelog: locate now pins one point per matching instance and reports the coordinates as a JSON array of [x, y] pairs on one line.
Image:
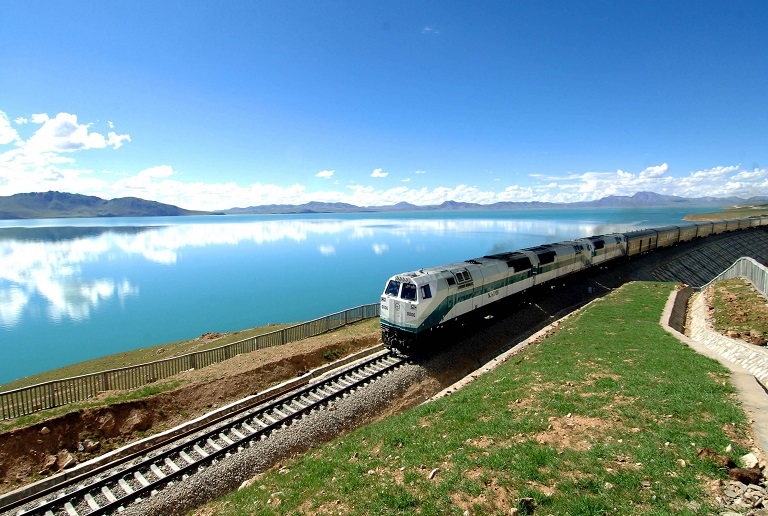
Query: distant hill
[[640, 199], [43, 205], [49, 205]]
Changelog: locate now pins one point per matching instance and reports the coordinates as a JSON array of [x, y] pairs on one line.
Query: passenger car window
[[426, 292], [409, 292], [392, 288]]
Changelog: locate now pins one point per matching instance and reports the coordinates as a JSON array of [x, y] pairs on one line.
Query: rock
[[248, 483], [45, 430], [50, 462], [90, 445], [749, 461], [137, 420], [746, 476], [65, 460], [106, 423]]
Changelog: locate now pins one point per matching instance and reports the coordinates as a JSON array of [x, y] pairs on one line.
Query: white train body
[[416, 303]]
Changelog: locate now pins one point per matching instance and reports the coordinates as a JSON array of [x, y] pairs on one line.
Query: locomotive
[[415, 304]]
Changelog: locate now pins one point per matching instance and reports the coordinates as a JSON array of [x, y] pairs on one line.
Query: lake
[[75, 289]]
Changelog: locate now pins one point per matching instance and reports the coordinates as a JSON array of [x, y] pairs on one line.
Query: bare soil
[[739, 310], [31, 453], [34, 452]]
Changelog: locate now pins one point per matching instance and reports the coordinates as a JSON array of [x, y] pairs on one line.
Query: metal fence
[[747, 268], [27, 400]]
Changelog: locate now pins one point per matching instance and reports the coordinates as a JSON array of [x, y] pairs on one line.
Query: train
[[416, 304]]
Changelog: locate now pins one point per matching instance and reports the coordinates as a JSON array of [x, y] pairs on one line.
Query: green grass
[[360, 329], [738, 306], [172, 349], [139, 356], [595, 419], [757, 210]]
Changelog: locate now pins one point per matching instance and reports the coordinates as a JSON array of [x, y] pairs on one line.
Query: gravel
[[320, 426], [507, 324]]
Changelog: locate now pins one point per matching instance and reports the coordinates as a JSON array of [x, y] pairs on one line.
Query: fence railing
[[745, 267], [27, 400]]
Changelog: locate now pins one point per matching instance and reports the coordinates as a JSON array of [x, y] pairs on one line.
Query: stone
[[45, 430], [749, 461], [106, 423], [65, 460], [137, 420], [90, 445], [50, 462]]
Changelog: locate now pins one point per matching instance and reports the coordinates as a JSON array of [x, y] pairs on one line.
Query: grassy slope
[[139, 356], [604, 416], [758, 210]]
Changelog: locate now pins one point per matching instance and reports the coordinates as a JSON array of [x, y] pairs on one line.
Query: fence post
[[29, 400], [51, 396]]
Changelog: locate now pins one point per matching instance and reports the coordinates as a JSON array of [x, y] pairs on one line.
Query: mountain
[[58, 205], [49, 205], [638, 200], [310, 207]]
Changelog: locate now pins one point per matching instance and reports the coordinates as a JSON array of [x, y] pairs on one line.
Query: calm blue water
[[71, 290]]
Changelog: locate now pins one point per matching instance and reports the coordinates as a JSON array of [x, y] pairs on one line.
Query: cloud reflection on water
[[56, 263]]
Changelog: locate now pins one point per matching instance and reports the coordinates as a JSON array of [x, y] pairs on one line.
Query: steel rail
[[209, 443]]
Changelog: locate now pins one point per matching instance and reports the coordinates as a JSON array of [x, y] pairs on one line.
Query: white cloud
[[160, 171], [7, 133], [657, 171], [46, 160], [380, 248], [327, 250], [63, 134], [750, 175], [20, 120], [116, 140]]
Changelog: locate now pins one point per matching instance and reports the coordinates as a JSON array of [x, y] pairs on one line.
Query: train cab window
[[522, 263], [393, 288], [463, 276], [426, 292], [409, 292]]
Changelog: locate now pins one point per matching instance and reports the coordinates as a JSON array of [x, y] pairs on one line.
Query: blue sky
[[210, 105]]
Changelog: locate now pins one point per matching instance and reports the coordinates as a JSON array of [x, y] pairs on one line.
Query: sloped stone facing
[[749, 356], [699, 266]]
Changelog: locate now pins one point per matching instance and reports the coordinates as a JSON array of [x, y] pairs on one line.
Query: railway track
[[131, 479]]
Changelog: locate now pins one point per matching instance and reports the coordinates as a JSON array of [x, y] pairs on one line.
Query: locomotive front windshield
[[409, 292], [393, 288]]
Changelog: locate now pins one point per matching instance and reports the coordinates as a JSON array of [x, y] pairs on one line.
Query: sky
[[212, 105]]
